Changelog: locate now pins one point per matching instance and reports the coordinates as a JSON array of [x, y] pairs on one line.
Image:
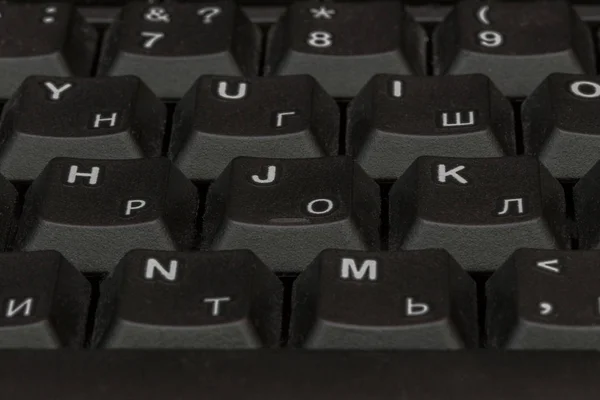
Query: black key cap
[[46, 38], [287, 211], [516, 44], [162, 299], [344, 44], [407, 300], [480, 210], [587, 208], [545, 299], [396, 119], [95, 211], [171, 45], [561, 124], [44, 301], [101, 118], [221, 118]]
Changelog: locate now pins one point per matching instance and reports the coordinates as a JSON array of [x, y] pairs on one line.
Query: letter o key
[[320, 207]]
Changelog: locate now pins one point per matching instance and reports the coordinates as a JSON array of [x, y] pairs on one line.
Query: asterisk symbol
[[322, 12]]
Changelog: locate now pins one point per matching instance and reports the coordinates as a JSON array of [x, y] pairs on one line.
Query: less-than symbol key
[[550, 265]]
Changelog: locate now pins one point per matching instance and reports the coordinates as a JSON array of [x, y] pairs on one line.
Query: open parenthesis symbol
[[482, 15]]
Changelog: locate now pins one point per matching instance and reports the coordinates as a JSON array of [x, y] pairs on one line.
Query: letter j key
[[288, 210]]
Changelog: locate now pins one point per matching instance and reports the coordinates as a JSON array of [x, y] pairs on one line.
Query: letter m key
[[351, 271]]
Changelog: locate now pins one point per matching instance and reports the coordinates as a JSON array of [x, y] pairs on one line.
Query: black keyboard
[[307, 200]]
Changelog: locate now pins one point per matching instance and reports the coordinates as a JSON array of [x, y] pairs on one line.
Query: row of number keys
[[321, 40], [342, 45]]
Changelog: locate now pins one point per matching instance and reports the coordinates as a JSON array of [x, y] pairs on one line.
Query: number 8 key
[[320, 40]]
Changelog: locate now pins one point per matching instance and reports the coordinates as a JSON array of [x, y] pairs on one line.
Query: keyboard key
[[560, 124], [43, 39], [480, 210], [101, 118], [95, 211], [344, 44], [163, 299], [586, 195], [288, 210], [171, 45], [545, 299], [407, 300], [44, 301], [516, 44], [396, 119], [221, 118]]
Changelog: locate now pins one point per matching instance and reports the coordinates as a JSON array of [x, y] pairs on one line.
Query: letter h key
[[480, 210], [94, 211]]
